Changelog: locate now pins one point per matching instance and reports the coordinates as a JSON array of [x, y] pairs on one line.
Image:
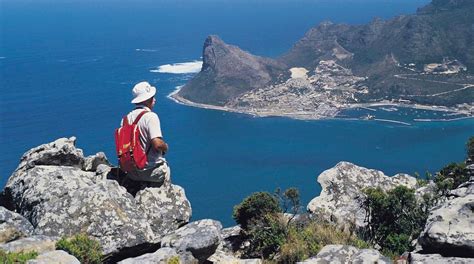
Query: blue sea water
[[67, 68]]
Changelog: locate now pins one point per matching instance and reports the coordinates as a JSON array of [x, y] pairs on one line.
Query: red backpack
[[130, 153]]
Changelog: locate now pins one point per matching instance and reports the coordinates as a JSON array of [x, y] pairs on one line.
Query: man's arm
[[159, 144]]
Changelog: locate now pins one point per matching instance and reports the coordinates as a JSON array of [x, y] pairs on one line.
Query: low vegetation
[[450, 177], [281, 237], [304, 241], [454, 174], [279, 232], [255, 207], [470, 149], [394, 218], [85, 249], [14, 258]]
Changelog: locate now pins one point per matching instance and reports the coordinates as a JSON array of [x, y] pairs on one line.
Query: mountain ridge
[[425, 58]]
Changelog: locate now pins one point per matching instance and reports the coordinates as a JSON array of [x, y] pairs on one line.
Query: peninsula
[[421, 60]]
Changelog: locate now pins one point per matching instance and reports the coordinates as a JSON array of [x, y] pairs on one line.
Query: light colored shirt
[[149, 126]]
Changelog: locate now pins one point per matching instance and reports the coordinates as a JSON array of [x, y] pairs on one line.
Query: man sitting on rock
[[156, 171]]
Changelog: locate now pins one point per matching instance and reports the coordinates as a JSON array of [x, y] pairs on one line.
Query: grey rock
[[222, 257], [166, 207], [92, 162], [333, 254], [13, 226], [60, 152], [36, 243], [437, 259], [463, 189], [449, 229], [231, 231], [54, 257], [162, 255], [369, 256], [340, 254], [102, 172], [201, 238], [104, 211], [62, 193], [29, 189], [232, 241], [342, 187], [64, 200]]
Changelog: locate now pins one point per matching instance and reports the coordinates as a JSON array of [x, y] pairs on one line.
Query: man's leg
[[158, 175], [161, 174]]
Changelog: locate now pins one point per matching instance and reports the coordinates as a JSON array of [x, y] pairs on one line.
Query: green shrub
[[266, 235], [394, 218], [254, 207], [451, 176], [85, 249], [21, 257], [470, 149], [396, 244], [279, 238]]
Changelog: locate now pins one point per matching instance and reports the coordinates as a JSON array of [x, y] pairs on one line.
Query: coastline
[[303, 115], [295, 115]]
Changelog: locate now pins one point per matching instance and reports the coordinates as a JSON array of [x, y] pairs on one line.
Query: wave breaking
[[180, 68]]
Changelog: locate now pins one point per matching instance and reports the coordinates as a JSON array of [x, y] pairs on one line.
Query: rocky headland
[[419, 60], [56, 192]]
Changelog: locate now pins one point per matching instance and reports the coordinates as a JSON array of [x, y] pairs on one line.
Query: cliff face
[[227, 72], [427, 58]]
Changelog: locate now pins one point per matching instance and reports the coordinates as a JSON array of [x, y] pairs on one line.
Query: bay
[[67, 68]]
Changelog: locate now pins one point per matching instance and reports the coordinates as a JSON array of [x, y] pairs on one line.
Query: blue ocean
[[67, 69]]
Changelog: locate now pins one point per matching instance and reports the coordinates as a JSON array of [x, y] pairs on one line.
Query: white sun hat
[[142, 91]]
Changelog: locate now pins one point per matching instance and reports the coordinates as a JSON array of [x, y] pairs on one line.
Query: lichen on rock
[[63, 193]]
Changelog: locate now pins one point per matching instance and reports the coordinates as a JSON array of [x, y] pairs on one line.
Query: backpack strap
[[139, 116], [125, 120], [135, 122]]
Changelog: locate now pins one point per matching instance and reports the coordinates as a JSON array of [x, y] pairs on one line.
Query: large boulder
[[54, 257], [415, 258], [92, 162], [62, 193], [13, 226], [166, 208], [201, 238], [30, 189], [342, 188], [61, 152], [104, 211], [369, 256], [233, 241], [232, 246], [339, 254], [162, 255], [37, 243], [222, 257], [449, 230]]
